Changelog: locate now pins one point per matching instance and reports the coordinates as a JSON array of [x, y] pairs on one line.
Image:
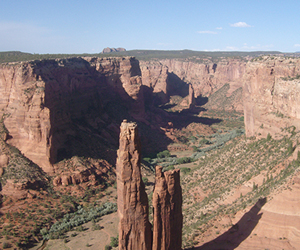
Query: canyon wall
[[173, 76], [45, 103], [271, 95]]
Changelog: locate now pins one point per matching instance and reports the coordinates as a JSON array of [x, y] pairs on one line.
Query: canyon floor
[[240, 193]]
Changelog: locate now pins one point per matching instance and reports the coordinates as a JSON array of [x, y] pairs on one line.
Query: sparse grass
[[221, 171]]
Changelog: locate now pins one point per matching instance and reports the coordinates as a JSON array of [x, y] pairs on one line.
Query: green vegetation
[[164, 154], [114, 241], [76, 219], [291, 78], [221, 171], [197, 56]]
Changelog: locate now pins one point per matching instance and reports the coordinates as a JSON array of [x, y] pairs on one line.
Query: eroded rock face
[[155, 77], [171, 76], [271, 95], [167, 210], [191, 97], [134, 227], [45, 103]]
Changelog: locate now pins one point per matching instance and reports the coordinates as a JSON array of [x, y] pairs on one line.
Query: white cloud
[[257, 47], [232, 48], [207, 32], [219, 28], [164, 44], [240, 25], [212, 50], [296, 45]]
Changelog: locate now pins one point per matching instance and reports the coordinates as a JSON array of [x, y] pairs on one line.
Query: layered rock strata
[[172, 76], [271, 88], [167, 210], [134, 227], [45, 103]]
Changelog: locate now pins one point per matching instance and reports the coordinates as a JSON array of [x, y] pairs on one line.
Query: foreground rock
[[167, 210], [134, 228]]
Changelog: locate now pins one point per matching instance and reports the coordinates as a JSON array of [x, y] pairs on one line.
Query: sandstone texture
[[45, 104], [167, 210], [172, 76], [271, 95], [134, 227], [92, 171], [155, 77], [191, 97]]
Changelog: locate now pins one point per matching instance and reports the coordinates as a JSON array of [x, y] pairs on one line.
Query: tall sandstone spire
[[167, 210], [134, 227]]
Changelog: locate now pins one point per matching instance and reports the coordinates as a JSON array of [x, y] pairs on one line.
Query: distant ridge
[[17, 56]]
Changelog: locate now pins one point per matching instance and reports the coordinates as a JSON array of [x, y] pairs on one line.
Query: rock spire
[[167, 210], [134, 227]]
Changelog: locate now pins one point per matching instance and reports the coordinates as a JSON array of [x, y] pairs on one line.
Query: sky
[[89, 26]]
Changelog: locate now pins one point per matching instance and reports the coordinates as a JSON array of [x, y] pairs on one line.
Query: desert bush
[[170, 167], [185, 170], [114, 241], [77, 218], [164, 154], [5, 245], [145, 180]]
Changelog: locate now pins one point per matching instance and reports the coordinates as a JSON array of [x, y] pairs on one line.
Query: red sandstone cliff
[[205, 78], [134, 227], [271, 95], [43, 102]]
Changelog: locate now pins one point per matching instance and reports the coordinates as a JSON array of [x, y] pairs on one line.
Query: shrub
[[184, 160], [164, 154], [145, 180], [290, 148], [5, 245], [108, 247], [185, 170], [170, 167], [114, 241]]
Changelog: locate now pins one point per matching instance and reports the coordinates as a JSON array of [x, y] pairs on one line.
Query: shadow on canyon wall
[[238, 232], [87, 107]]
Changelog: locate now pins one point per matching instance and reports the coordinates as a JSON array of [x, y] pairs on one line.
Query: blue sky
[[65, 26]]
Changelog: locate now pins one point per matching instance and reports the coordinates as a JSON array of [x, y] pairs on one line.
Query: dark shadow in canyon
[[87, 107], [184, 118], [176, 86], [201, 100], [238, 232]]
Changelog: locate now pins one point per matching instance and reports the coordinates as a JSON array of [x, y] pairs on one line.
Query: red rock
[[167, 210], [191, 97], [134, 227], [271, 99], [43, 98]]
